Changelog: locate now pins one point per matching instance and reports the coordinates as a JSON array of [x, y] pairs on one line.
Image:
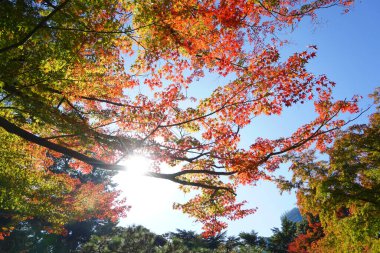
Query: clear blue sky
[[348, 53]]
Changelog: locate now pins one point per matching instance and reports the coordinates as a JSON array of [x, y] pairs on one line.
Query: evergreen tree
[[281, 238]]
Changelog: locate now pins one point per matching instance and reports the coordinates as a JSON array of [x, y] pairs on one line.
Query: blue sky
[[348, 53]]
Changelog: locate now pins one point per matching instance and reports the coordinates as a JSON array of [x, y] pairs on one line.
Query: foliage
[[29, 190], [106, 237], [307, 238], [344, 192], [194, 241], [31, 235], [281, 238], [219, 243], [252, 239], [139, 239], [73, 80], [132, 239]]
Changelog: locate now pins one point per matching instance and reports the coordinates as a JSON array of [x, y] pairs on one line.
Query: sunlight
[[136, 165], [132, 182], [149, 197], [139, 189]]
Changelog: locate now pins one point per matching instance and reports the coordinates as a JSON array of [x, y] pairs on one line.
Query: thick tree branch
[[13, 129]]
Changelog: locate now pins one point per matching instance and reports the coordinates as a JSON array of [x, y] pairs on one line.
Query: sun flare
[[136, 165], [145, 193]]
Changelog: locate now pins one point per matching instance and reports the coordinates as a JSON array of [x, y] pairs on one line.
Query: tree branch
[[87, 31], [316, 133], [13, 129], [173, 178], [223, 106], [97, 99], [35, 29], [209, 172]]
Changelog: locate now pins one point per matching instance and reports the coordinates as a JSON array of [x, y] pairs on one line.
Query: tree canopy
[[98, 81], [343, 192]]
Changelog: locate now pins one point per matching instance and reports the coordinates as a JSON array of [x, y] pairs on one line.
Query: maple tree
[[72, 73], [344, 192]]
